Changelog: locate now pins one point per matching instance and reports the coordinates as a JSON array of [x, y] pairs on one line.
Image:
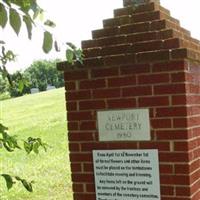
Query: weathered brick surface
[[142, 58]]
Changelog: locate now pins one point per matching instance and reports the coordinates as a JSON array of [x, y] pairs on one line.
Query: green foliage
[[27, 20], [33, 144], [15, 20], [10, 143], [43, 72], [40, 74], [47, 42], [4, 96], [73, 54], [4, 85], [40, 116], [10, 181], [3, 16], [25, 11], [20, 84]]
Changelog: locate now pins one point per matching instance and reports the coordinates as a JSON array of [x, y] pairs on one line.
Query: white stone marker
[[124, 125], [126, 174]]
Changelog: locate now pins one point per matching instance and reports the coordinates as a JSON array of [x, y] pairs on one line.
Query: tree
[[42, 73], [3, 85], [15, 13]]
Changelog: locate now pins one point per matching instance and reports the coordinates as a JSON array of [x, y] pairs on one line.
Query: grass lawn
[[40, 115]]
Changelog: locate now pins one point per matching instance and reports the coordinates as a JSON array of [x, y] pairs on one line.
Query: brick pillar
[[142, 58], [138, 2]]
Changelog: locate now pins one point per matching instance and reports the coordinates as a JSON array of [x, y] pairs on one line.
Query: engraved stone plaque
[[126, 174], [124, 125]]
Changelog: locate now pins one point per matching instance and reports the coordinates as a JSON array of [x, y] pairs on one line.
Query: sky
[[75, 19]]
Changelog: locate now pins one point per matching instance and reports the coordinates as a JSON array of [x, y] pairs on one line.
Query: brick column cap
[[138, 2]]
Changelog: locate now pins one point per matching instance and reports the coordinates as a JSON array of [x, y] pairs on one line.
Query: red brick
[[135, 69], [106, 93], [88, 167], [171, 112], [88, 125], [195, 187], [123, 145], [81, 196], [180, 122], [182, 169], [153, 79], [113, 40], [80, 157], [104, 72], [93, 62], [92, 84], [75, 167], [139, 37], [78, 95], [121, 103], [137, 91], [120, 59], [77, 187], [172, 43], [193, 110], [142, 8], [194, 121], [74, 147], [165, 34], [87, 147], [79, 116], [172, 134], [90, 188], [147, 46], [107, 23], [105, 32], [152, 56], [75, 75], [181, 146], [167, 190], [91, 52], [195, 176], [88, 44], [71, 106], [92, 104], [173, 157], [161, 146], [169, 66], [179, 100], [118, 21], [174, 179], [158, 25], [161, 123], [80, 177], [147, 16], [72, 126], [153, 101], [170, 89], [179, 53], [166, 169], [122, 81], [123, 11], [116, 49], [81, 136], [135, 28], [183, 191], [70, 85], [194, 165]]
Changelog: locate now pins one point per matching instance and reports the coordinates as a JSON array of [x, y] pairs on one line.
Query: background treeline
[[39, 75]]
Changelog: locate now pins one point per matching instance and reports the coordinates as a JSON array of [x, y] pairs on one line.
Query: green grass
[[40, 115]]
